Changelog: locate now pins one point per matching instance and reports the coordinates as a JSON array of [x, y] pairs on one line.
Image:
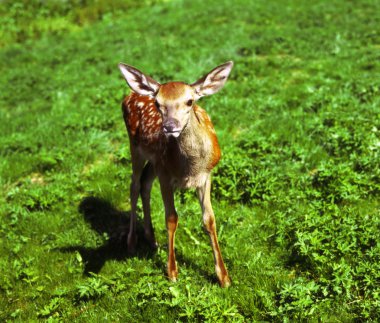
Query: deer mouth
[[173, 133]]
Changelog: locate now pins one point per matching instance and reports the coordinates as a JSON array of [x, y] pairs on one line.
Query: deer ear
[[213, 81], [139, 82]]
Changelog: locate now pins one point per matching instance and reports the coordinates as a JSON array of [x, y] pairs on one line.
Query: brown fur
[[172, 90], [196, 151]]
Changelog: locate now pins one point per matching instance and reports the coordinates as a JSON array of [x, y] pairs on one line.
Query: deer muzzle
[[171, 127]]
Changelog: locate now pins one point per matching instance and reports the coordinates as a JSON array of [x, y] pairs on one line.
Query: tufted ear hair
[[138, 81], [213, 81]]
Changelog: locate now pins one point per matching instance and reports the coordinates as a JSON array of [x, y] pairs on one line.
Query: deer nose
[[170, 125]]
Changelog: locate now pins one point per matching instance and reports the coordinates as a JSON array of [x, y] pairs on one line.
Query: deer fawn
[[172, 138]]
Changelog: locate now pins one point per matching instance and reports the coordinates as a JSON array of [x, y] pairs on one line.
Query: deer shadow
[[104, 218]]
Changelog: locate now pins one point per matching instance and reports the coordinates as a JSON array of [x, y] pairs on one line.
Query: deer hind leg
[[147, 179], [210, 226], [137, 168], [171, 218]]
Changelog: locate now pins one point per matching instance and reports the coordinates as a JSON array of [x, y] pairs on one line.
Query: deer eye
[[189, 103]]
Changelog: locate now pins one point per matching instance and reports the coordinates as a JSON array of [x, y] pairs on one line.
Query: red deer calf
[[172, 138]]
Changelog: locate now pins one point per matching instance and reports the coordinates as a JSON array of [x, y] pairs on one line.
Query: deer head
[[175, 100]]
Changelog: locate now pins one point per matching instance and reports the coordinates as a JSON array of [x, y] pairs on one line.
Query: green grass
[[296, 194]]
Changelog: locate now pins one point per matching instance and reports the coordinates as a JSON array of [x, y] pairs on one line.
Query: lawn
[[296, 194]]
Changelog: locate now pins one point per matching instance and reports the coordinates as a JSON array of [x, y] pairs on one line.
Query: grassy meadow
[[296, 194]]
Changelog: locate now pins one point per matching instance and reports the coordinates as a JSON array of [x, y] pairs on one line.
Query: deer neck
[[190, 155], [193, 141]]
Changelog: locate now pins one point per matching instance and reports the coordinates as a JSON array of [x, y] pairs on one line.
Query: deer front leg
[[171, 218], [137, 168], [210, 226], [147, 178], [134, 195]]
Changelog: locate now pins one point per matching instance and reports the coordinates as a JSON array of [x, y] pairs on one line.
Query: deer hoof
[[173, 275], [225, 282]]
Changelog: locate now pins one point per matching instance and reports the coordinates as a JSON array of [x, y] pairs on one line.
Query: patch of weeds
[[340, 248], [36, 198], [239, 180], [93, 288], [53, 309], [202, 306], [335, 183]]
